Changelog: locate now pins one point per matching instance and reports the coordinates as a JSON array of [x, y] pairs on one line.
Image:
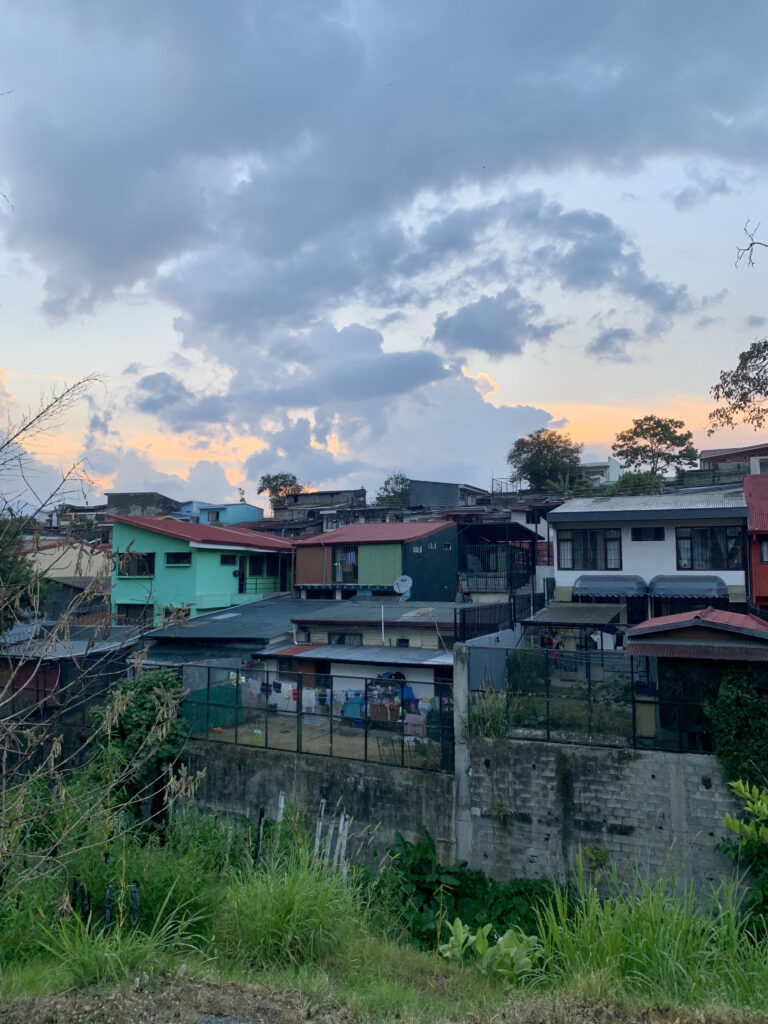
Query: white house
[[599, 473], [660, 554]]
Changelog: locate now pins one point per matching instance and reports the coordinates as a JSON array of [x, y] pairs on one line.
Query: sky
[[346, 239]]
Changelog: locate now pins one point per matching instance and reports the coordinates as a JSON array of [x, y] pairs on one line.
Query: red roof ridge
[[204, 533]]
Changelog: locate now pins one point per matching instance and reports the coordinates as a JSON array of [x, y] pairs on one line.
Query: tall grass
[[650, 942], [291, 910]]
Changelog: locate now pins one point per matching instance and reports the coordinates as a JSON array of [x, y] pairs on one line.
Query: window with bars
[[589, 549], [702, 548], [178, 558], [137, 563]]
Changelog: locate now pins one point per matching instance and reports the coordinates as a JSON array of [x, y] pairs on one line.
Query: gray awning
[[615, 585], [681, 585]]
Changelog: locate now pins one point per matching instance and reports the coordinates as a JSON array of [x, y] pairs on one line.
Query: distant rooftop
[[256, 621], [363, 655], [400, 613]]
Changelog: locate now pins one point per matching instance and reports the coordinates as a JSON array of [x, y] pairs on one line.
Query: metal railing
[[381, 720], [592, 698]]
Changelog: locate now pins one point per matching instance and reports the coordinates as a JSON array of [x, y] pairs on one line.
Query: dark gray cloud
[[701, 189], [498, 325], [611, 345], [755, 322]]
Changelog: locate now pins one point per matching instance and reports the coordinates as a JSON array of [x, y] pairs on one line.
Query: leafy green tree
[[637, 483], [277, 485], [148, 734], [655, 443], [544, 456], [395, 491], [742, 393]]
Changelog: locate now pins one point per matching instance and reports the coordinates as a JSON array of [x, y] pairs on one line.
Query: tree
[[277, 485], [655, 443], [395, 491], [743, 391], [544, 456], [637, 483]]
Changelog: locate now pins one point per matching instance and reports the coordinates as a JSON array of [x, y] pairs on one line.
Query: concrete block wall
[[238, 780], [528, 806]]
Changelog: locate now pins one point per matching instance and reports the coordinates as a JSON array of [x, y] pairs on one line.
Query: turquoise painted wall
[[205, 584]]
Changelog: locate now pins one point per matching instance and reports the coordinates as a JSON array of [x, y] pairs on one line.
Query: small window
[[647, 533], [432, 545], [213, 515], [764, 549], [228, 560], [178, 558], [417, 549], [447, 547], [174, 614], [403, 641]]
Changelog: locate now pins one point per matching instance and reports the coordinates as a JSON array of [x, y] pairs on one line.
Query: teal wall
[[233, 513], [206, 584], [379, 565]]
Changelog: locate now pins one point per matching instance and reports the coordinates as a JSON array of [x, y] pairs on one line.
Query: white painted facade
[[647, 558]]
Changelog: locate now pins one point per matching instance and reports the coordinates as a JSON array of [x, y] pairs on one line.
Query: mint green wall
[[379, 564], [205, 584]]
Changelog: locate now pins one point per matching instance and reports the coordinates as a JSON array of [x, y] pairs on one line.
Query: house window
[[136, 563], [255, 565], [213, 515], [345, 639], [403, 641], [531, 516], [132, 613], [228, 560], [647, 533], [703, 548], [174, 614], [417, 549], [345, 564], [178, 558], [764, 549], [589, 549], [447, 547], [432, 545]]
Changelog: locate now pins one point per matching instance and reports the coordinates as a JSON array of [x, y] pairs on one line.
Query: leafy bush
[[512, 954], [431, 894]]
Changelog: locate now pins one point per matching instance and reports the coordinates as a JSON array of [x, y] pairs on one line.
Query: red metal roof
[[756, 493], [202, 533], [287, 652], [705, 616], [377, 533]]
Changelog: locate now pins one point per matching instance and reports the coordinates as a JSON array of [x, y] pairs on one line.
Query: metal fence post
[[364, 717], [299, 710]]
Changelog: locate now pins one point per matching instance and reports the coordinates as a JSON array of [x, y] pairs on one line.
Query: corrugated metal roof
[[368, 613], [377, 533], [258, 620], [756, 494], [564, 613], [201, 533], [707, 652], [377, 655], [698, 505], [682, 584], [705, 616]]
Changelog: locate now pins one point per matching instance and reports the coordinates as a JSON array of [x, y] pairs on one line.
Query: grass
[[650, 942]]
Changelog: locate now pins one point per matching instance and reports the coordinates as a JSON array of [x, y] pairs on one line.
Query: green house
[[162, 567]]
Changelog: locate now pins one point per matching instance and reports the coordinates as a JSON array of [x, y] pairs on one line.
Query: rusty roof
[[712, 618], [377, 533], [201, 533]]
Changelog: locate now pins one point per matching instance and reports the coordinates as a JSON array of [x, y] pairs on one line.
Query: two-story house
[[161, 564], [657, 554], [365, 559]]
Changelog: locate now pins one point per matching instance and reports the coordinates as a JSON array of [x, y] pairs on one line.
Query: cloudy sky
[[340, 239]]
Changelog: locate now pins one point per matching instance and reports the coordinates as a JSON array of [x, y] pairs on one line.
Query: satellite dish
[[402, 584]]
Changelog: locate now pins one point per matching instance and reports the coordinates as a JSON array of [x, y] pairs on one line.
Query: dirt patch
[[202, 1003], [175, 1003]]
